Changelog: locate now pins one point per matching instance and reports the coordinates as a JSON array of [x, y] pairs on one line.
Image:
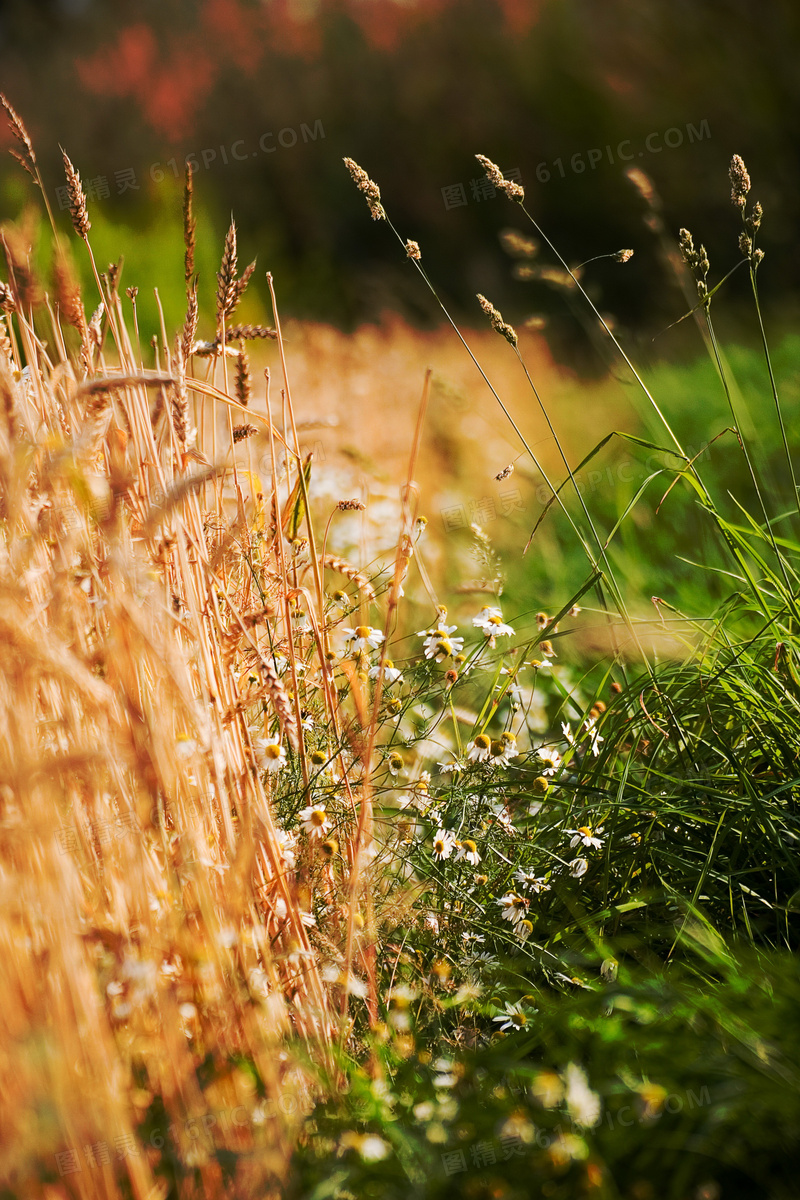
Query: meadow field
[[399, 733]]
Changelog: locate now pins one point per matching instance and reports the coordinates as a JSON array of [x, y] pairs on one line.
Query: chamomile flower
[[444, 841], [509, 743], [550, 756], [595, 739], [536, 883], [578, 867], [468, 850], [439, 643], [586, 836], [512, 1018], [514, 908], [490, 622], [583, 1104], [540, 664], [362, 639], [480, 748], [447, 768], [286, 844], [390, 672], [394, 762], [315, 820], [271, 754]]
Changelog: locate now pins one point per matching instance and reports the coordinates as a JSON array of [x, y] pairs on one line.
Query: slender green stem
[[774, 386]]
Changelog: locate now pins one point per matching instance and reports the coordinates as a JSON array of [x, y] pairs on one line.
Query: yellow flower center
[[469, 846], [495, 621], [273, 750], [318, 817], [363, 631], [318, 757], [482, 742], [444, 646], [586, 830]]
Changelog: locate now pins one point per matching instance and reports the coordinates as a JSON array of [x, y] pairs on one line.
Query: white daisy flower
[[503, 749], [362, 639], [490, 621], [512, 1018], [514, 907], [595, 739], [468, 850], [578, 867], [270, 753], [549, 755], [287, 843], [301, 621], [529, 879], [568, 736], [394, 762], [480, 749], [513, 689], [185, 746], [315, 820], [450, 767], [582, 1102], [390, 672], [439, 644], [586, 836], [444, 841]]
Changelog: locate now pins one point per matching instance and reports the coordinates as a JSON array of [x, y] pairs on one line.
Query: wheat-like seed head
[[189, 226], [77, 199], [68, 292], [243, 382], [190, 324], [334, 563], [249, 333], [27, 159]]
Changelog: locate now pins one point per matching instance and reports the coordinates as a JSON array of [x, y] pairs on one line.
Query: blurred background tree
[[269, 95]]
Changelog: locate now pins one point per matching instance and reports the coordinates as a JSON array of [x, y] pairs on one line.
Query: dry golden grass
[[155, 933]]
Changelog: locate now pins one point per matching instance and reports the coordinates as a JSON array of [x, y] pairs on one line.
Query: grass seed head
[[740, 182], [372, 192], [495, 176], [507, 331]]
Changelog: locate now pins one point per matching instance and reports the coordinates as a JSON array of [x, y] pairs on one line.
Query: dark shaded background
[[413, 91]]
